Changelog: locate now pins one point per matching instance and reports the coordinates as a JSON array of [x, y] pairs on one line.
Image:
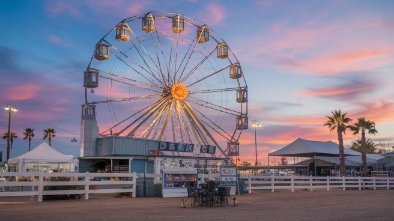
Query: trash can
[[241, 187]]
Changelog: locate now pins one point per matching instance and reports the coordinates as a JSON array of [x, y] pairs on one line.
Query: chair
[[224, 193]]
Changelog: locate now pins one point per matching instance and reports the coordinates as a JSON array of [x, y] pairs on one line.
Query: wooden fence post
[[86, 185], [292, 184], [359, 183], [374, 183], [343, 183], [250, 183], [328, 183], [388, 183], [134, 194], [310, 183], [40, 186], [272, 183]]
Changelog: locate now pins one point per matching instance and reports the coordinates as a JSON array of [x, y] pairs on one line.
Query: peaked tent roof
[[42, 153], [310, 148]]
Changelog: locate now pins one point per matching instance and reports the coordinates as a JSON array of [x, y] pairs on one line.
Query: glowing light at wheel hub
[[179, 91]]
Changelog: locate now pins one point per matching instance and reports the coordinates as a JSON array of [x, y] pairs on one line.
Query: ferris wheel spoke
[[218, 132], [134, 62], [147, 54], [164, 57], [212, 106], [210, 75], [213, 123], [189, 108], [154, 84], [176, 59], [149, 115], [192, 45], [128, 79], [182, 122], [213, 90], [187, 61], [170, 58], [148, 130], [198, 138], [155, 46], [134, 85], [178, 117], [126, 99], [197, 66], [169, 111], [144, 117], [116, 125], [148, 109]]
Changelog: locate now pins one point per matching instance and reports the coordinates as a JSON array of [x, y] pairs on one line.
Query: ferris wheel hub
[[179, 91]]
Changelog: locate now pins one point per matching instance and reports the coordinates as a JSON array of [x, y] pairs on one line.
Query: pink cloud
[[328, 49], [216, 14], [135, 9], [348, 60], [378, 113], [56, 8], [60, 105], [58, 41], [22, 92], [340, 91], [265, 5]]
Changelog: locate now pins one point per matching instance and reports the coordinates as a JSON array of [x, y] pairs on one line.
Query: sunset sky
[[301, 60]]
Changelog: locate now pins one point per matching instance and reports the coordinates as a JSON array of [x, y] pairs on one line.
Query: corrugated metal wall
[[110, 146]]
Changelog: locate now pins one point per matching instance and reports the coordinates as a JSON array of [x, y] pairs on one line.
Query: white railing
[[33, 183], [258, 182]]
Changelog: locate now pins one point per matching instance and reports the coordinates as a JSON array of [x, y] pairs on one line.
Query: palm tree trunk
[[29, 142], [364, 153], [50, 141], [342, 170]]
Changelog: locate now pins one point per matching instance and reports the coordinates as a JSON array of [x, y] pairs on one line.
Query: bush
[[62, 197]]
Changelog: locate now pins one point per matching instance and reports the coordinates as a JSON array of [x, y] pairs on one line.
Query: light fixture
[[255, 124], [10, 110]]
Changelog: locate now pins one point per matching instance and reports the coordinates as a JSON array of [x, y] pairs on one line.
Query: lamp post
[[255, 124], [10, 110]]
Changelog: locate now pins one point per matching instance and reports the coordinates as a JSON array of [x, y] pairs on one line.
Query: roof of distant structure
[[310, 148]]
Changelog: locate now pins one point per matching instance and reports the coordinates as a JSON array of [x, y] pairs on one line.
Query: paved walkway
[[262, 205]]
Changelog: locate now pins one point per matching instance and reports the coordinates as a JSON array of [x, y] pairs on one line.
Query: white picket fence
[[258, 182], [33, 183]]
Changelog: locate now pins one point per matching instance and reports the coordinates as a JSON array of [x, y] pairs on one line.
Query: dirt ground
[[260, 205]]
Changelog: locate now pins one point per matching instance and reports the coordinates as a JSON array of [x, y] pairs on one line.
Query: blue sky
[[301, 60]]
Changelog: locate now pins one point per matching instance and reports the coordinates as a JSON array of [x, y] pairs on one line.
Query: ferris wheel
[[169, 78]]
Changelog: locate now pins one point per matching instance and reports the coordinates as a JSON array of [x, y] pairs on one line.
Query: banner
[[181, 147], [208, 149]]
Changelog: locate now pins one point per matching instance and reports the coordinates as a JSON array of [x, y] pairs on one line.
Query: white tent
[[43, 153]]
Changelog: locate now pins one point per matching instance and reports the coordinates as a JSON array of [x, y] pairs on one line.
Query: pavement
[[260, 205]]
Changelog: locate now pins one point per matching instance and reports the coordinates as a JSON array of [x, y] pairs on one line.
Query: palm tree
[[13, 135], [339, 122], [49, 133], [29, 133], [370, 146], [363, 125]]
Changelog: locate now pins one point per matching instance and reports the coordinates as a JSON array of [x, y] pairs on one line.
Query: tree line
[[49, 133]]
